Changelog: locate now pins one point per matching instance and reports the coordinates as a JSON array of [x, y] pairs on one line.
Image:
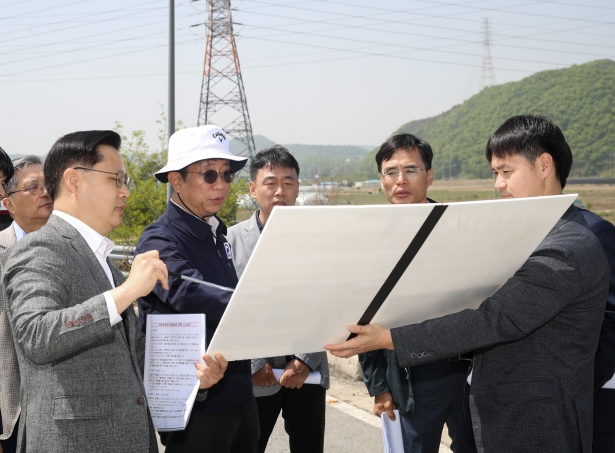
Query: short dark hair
[[273, 157], [18, 165], [529, 136], [78, 148], [6, 166], [407, 142]]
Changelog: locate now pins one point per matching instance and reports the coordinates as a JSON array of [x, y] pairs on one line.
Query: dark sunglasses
[[211, 176]]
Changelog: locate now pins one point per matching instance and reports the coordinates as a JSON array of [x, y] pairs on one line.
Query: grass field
[[597, 198]]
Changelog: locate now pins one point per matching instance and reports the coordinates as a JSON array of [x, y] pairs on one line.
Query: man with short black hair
[[430, 395], [274, 174], [79, 346], [6, 171], [536, 337], [9, 384]]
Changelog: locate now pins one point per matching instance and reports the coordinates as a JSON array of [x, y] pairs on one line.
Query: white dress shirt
[[101, 247], [19, 233]]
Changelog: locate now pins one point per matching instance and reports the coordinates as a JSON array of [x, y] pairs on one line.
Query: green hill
[[323, 160], [580, 99]]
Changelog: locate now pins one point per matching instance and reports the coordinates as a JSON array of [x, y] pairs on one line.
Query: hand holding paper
[[369, 338], [210, 372], [295, 374], [384, 403], [313, 378]]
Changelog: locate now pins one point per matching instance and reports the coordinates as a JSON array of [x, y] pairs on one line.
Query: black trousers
[[438, 389], [231, 431], [303, 411], [10, 445], [604, 421]]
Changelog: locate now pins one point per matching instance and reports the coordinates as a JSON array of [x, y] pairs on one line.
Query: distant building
[[371, 183]]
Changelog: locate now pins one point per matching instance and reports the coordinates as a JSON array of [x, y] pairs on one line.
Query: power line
[[45, 9], [97, 14], [458, 39], [88, 47], [412, 48]]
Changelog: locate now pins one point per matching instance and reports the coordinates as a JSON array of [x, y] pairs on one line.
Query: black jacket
[[186, 245], [604, 365], [534, 342]]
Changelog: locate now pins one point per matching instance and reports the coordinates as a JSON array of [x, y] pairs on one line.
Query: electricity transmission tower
[[487, 76], [223, 98]]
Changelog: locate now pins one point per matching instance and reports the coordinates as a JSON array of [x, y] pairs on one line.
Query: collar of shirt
[[19, 233], [100, 245], [212, 222]]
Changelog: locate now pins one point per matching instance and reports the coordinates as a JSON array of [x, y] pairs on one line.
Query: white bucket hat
[[191, 145]]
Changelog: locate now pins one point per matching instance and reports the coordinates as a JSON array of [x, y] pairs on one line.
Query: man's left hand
[[295, 374], [369, 338]]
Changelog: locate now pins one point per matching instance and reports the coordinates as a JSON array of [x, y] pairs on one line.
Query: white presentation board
[[317, 269]]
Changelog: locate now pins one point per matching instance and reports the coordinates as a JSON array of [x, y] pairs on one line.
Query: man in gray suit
[[30, 206], [536, 337], [79, 345], [275, 182]]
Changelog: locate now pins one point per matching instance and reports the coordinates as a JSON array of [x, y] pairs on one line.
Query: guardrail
[[122, 253]]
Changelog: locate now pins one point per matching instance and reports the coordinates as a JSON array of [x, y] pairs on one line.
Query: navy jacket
[[604, 365], [186, 245]]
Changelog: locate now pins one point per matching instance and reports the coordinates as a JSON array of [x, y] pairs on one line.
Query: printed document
[[391, 433], [174, 343]]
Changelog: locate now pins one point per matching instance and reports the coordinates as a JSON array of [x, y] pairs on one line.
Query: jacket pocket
[[79, 408], [514, 392]]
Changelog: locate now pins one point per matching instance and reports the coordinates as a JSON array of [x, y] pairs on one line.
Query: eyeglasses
[[121, 178], [211, 176], [407, 173], [34, 189]]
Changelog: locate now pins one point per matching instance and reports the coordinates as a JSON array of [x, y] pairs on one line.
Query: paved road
[[344, 434]]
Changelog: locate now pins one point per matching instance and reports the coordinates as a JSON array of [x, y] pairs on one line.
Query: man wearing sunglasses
[[191, 241], [427, 396], [81, 349]]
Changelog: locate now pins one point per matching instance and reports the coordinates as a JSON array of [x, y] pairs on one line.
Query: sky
[[316, 72]]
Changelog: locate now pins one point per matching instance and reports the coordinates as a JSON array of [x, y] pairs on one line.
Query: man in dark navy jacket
[[604, 364], [191, 241]]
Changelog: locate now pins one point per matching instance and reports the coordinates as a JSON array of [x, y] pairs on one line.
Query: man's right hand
[[264, 377], [147, 270], [384, 403]]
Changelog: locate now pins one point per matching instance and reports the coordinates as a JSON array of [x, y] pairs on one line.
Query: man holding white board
[[275, 182], [535, 338]]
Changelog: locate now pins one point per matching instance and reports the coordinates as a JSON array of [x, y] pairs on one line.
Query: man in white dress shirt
[[80, 346]]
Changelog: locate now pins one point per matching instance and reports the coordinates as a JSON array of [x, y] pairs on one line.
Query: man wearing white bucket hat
[[191, 241]]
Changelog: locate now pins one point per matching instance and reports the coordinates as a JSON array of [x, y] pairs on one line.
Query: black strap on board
[[401, 266]]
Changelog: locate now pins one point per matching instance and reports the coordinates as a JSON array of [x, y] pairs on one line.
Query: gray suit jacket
[[9, 369], [81, 378], [243, 238], [535, 340]]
